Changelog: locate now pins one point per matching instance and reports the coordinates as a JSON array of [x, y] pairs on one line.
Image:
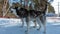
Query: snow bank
[[53, 19], [5, 22]]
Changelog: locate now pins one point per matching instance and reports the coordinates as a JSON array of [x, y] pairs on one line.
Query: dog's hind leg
[[44, 24], [39, 23], [43, 20]]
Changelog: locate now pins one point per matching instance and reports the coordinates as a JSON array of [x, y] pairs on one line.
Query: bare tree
[[4, 7], [1, 5], [51, 9]]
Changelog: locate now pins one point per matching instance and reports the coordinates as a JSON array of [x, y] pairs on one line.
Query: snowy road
[[14, 28]]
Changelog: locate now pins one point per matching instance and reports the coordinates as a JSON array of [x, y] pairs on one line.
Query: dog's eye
[[11, 11]]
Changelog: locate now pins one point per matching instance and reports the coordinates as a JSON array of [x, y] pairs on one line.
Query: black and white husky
[[28, 14]]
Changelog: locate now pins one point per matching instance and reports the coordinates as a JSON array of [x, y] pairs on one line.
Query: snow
[[12, 26], [53, 19]]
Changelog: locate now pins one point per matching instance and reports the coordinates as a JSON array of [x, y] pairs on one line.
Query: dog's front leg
[[27, 22], [22, 22], [35, 22]]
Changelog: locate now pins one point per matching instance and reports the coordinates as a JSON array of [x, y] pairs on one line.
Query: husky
[[28, 14]]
